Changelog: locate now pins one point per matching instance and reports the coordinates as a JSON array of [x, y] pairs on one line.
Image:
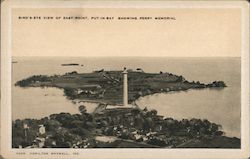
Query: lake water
[[221, 106]]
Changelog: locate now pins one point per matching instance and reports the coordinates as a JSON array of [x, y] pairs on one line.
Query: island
[[70, 64], [106, 86]]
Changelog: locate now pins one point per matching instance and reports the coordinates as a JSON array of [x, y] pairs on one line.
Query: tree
[[82, 109], [153, 112], [52, 125]]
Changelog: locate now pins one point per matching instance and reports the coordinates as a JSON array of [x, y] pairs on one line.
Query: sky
[[195, 33]]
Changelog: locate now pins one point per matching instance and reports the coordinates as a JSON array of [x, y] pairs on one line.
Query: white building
[[41, 129]]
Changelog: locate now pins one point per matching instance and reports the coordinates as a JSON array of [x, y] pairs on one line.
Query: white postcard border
[[8, 152]]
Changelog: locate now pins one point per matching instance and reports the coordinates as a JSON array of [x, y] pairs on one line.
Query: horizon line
[[140, 56]]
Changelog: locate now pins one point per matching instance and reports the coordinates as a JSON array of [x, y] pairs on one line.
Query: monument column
[[125, 87]]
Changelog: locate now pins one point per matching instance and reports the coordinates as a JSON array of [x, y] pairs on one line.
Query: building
[[41, 129]]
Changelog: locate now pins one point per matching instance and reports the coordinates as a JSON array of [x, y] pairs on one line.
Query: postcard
[[131, 79]]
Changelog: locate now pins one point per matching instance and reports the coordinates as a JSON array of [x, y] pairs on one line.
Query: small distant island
[[70, 64], [106, 86]]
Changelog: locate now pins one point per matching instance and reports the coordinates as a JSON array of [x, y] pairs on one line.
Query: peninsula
[[106, 86]]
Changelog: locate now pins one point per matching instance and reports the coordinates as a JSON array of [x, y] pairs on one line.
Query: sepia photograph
[[130, 102], [120, 77]]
